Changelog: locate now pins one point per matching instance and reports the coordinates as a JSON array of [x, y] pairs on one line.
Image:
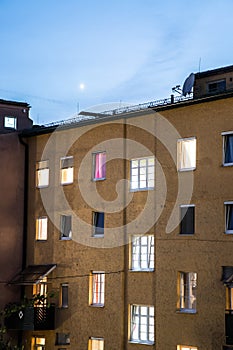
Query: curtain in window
[[100, 165], [228, 149], [134, 332], [66, 226], [187, 154]]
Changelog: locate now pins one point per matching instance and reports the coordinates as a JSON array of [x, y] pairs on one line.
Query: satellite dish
[[188, 84]]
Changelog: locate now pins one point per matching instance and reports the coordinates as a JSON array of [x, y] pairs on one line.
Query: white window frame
[[95, 178], [227, 204], [62, 236], [182, 154], [142, 253], [97, 288], [186, 299], [225, 134], [67, 172], [42, 173], [136, 174], [96, 343], [10, 122], [42, 228], [141, 322]]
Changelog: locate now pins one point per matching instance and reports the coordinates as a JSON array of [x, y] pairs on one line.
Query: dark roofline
[[216, 71], [15, 103]]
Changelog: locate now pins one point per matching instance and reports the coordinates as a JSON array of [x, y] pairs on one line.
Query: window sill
[[186, 169], [65, 239], [39, 187], [141, 342], [100, 179], [141, 189], [186, 311], [41, 240], [227, 164], [97, 305], [66, 183], [142, 270], [98, 236]]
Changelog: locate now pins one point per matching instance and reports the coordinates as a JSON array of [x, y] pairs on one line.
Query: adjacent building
[[129, 222]]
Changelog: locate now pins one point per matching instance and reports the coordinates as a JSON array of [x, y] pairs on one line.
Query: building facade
[[129, 227]]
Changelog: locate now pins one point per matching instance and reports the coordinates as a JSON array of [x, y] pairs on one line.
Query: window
[[227, 148], [97, 286], [186, 154], [142, 173], [66, 223], [10, 122], [67, 170], [142, 324], [187, 286], [96, 344], [42, 173], [229, 298], [216, 86], [187, 224], [228, 217], [186, 347], [41, 228], [62, 338], [99, 166], [64, 295], [98, 224], [41, 289], [38, 343], [142, 252]]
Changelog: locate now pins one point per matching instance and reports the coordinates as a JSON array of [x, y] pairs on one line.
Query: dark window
[[64, 295], [217, 86], [229, 217], [228, 149], [98, 223], [62, 338], [187, 225]]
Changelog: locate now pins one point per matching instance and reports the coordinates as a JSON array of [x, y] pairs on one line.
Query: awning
[[227, 275], [33, 274]]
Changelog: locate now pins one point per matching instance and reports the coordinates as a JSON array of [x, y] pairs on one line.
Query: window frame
[[97, 295], [62, 236], [227, 204], [95, 215], [139, 326], [91, 339], [42, 166], [64, 296], [40, 236], [182, 217], [185, 292], [225, 134], [217, 90], [69, 170], [181, 168], [35, 345], [186, 347], [139, 175], [94, 155], [8, 119], [139, 251]]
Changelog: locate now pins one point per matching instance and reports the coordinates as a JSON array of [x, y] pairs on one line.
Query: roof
[[213, 72], [33, 274]]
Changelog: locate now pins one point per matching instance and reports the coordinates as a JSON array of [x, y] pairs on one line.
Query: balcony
[[32, 318]]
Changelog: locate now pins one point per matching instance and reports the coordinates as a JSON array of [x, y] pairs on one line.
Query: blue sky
[[123, 51]]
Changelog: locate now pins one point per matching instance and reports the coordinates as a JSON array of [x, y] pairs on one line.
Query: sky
[[65, 56]]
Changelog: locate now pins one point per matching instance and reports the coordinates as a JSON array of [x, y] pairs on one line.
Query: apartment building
[[129, 227]]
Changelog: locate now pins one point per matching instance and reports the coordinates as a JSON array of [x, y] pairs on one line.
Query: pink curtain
[[100, 165]]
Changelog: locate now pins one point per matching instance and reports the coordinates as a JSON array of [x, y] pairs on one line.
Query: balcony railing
[[32, 318]]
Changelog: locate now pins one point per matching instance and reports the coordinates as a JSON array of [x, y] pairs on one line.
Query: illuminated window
[[187, 224], [187, 287], [142, 324], [38, 343], [185, 347], [96, 344], [64, 295], [66, 227], [67, 170], [41, 290], [98, 224], [41, 228], [142, 252], [228, 217], [42, 173], [142, 173], [97, 288], [186, 154], [10, 122], [99, 166]]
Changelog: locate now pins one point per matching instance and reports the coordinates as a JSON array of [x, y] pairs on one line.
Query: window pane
[[186, 154], [229, 218], [142, 324], [66, 230], [98, 223], [142, 173], [228, 149], [98, 286], [41, 228], [187, 220], [142, 257], [100, 165]]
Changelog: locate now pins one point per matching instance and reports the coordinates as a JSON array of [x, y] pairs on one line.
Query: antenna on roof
[[188, 84]]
